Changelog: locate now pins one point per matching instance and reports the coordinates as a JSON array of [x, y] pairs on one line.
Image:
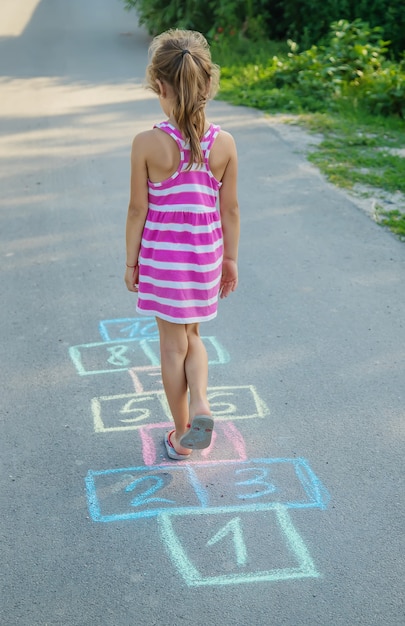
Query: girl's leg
[[174, 347], [196, 368]]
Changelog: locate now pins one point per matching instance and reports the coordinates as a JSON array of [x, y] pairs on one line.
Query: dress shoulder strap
[[172, 131], [176, 135], [208, 140]]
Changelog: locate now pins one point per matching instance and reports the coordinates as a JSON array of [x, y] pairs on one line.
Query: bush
[[348, 65], [273, 19], [352, 65], [210, 17], [160, 15], [299, 24], [384, 94], [349, 68]]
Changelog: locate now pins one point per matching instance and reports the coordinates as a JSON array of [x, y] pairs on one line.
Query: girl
[[181, 251]]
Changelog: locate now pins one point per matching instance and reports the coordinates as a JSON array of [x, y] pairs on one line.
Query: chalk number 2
[[143, 497]]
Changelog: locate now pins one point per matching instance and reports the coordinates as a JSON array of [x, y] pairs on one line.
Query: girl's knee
[[173, 338], [193, 331], [194, 338], [173, 349]]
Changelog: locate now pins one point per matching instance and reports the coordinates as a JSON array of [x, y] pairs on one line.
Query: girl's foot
[[199, 434], [174, 449]]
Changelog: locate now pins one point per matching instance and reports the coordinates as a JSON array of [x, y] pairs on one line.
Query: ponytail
[[189, 110], [183, 60]]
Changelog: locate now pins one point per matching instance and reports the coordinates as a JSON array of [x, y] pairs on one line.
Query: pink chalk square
[[146, 378], [227, 442]]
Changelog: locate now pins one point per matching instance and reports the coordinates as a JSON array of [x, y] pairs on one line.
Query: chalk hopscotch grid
[[316, 494], [127, 337], [132, 402]]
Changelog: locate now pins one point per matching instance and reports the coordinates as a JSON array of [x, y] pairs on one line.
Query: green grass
[[238, 52], [355, 150], [395, 220]]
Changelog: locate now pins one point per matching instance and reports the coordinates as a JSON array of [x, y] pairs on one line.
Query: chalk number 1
[[234, 528]]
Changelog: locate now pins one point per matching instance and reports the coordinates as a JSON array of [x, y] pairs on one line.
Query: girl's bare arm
[[229, 209], [137, 209]]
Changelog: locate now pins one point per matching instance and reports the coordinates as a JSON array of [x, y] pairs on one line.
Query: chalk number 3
[[259, 479]]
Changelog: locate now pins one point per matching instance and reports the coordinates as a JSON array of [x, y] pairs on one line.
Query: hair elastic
[[183, 52]]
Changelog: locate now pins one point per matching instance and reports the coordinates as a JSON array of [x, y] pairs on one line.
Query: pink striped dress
[[180, 260]]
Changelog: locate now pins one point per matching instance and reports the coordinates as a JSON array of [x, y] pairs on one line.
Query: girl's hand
[[229, 278], [132, 278]]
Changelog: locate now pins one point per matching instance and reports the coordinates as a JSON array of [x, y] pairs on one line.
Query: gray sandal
[[200, 433]]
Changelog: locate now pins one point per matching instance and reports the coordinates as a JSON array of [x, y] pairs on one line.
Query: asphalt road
[[295, 516]]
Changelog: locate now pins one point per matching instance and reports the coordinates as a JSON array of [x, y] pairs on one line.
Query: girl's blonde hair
[[182, 59]]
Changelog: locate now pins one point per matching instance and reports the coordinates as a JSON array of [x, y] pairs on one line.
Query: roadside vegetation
[[344, 81]]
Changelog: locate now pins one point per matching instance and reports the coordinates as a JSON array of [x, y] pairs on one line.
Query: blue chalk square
[[218, 547], [262, 483], [138, 492], [128, 328]]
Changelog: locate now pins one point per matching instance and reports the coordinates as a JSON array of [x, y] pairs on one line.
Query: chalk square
[[261, 484], [229, 550], [236, 402], [147, 378], [226, 439], [112, 356], [140, 492], [129, 411], [128, 328]]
